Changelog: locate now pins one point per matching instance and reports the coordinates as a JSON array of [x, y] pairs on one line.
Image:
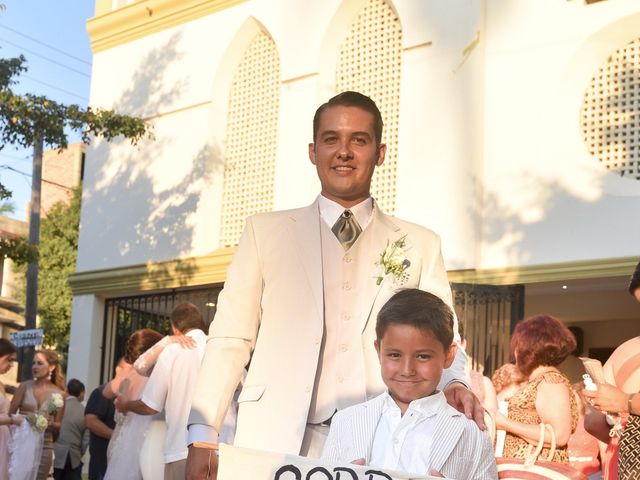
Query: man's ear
[[312, 153], [377, 347], [450, 354], [382, 150]]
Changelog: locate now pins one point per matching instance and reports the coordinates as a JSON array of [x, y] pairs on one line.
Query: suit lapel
[[306, 233], [383, 230]]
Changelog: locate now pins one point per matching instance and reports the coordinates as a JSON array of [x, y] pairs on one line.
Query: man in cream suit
[[301, 299]]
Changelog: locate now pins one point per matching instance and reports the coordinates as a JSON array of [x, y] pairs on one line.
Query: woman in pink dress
[[7, 356]]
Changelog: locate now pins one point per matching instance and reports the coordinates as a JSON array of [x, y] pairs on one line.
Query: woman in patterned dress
[[539, 344]]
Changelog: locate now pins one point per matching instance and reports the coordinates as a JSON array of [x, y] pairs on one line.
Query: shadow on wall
[[563, 227], [126, 217]]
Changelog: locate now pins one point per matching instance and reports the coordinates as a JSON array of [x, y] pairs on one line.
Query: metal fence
[[125, 315]]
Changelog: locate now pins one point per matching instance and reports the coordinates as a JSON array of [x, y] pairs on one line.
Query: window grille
[[251, 138], [610, 115], [369, 62]]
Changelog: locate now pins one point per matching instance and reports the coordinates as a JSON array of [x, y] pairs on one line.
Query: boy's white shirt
[[403, 442], [460, 449]]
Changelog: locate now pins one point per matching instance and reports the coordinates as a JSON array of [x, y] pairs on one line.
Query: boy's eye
[[423, 356], [393, 355]]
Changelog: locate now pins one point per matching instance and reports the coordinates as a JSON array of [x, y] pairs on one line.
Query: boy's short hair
[[419, 309], [187, 316]]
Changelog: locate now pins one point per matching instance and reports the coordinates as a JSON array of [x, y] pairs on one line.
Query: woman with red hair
[[539, 344]]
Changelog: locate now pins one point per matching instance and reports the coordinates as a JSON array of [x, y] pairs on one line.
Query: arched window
[[251, 137]]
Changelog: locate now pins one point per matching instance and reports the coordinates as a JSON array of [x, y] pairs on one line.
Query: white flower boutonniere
[[393, 262]]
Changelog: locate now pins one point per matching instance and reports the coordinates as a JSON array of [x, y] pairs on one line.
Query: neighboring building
[[11, 311], [61, 171], [513, 131]]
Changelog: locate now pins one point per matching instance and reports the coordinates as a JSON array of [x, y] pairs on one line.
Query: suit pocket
[[251, 393]]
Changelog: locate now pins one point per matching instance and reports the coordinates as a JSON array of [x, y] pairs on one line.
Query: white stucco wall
[[490, 153], [161, 200], [546, 200]]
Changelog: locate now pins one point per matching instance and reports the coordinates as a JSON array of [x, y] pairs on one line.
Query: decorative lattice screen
[[610, 116], [369, 62], [251, 138]]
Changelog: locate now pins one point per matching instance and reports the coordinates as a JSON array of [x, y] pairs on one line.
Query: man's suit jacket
[[458, 449], [272, 305], [74, 437]]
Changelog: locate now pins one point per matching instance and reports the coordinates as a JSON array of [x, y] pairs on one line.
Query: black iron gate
[[488, 314], [125, 315]]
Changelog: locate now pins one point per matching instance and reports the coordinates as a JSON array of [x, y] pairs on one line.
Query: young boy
[[410, 427]]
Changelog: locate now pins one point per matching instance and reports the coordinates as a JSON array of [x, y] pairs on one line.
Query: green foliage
[[18, 250], [27, 119], [57, 260]]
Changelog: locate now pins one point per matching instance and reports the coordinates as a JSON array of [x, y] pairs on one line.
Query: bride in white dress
[[123, 454]]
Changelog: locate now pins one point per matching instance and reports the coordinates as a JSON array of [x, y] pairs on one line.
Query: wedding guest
[[583, 448], [618, 395], [7, 357], [123, 454], [170, 389], [319, 274], [539, 344], [410, 427], [507, 380], [99, 419], [72, 442], [41, 396]]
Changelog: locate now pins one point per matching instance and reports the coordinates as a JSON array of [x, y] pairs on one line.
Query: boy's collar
[[426, 406]]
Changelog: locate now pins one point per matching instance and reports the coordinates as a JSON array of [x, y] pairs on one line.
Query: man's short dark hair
[[352, 99], [634, 284], [419, 309], [75, 387], [187, 316]]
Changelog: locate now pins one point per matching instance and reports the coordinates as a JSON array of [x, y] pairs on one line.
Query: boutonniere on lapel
[[393, 262]]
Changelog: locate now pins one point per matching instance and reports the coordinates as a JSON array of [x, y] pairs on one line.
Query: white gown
[[123, 454]]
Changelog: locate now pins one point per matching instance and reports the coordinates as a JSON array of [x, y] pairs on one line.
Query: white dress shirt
[[403, 443], [330, 211]]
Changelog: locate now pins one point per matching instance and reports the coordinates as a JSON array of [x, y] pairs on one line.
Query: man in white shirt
[[171, 385], [301, 297]]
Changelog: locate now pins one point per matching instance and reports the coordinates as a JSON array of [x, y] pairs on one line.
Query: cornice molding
[[609, 267], [110, 28], [212, 268], [185, 272]]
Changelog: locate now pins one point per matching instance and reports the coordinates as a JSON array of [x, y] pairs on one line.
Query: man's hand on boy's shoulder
[[464, 400]]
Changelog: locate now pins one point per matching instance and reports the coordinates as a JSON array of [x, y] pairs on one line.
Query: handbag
[[532, 467], [629, 452]]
